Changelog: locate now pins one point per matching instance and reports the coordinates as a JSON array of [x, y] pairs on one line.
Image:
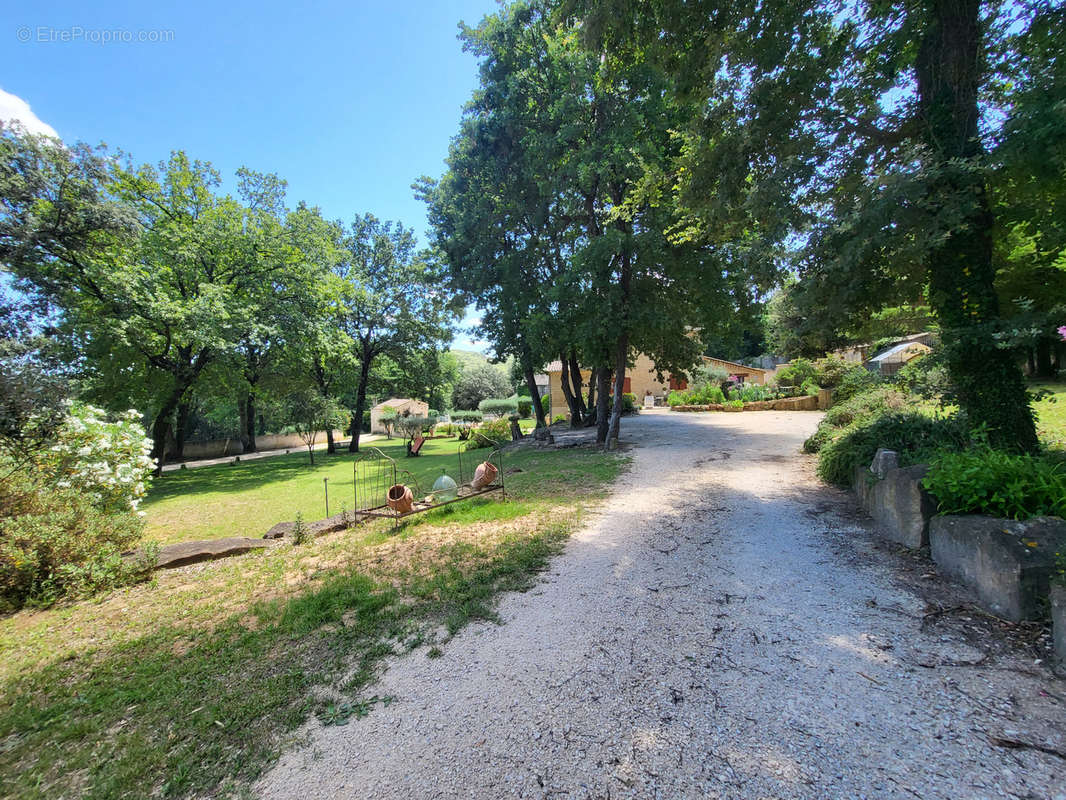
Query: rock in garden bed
[[184, 553]]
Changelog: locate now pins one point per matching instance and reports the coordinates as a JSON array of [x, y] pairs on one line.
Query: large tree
[[546, 218], [393, 302], [864, 134]]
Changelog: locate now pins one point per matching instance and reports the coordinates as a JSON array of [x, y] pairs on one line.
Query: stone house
[[402, 406], [642, 381]]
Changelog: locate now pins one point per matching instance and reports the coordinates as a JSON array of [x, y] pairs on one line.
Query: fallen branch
[[1018, 744]]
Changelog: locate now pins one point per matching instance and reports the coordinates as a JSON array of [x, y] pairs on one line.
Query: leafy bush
[[854, 382], [829, 372], [67, 516], [735, 403], [756, 392], [926, 376], [498, 406], [490, 434], [702, 396], [525, 407], [876, 402], [987, 481], [914, 436], [809, 387], [629, 403], [796, 372], [477, 383], [558, 418]]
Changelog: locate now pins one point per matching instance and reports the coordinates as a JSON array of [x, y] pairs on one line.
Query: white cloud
[[13, 107]]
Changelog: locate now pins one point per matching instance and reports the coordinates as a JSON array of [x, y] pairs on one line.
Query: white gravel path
[[724, 628]]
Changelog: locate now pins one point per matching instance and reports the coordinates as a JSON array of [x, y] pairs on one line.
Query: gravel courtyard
[[724, 627]]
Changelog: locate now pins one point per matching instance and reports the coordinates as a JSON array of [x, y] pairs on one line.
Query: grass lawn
[[192, 684], [249, 498], [1051, 415]]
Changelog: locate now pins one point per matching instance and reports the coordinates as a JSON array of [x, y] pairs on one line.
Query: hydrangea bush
[[108, 461], [68, 514]]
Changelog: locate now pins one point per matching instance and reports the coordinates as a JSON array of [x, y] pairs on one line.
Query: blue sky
[[349, 102]]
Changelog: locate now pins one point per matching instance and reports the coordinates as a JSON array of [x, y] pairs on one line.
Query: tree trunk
[[161, 424], [242, 424], [249, 446], [603, 381], [989, 384], [181, 430], [331, 446], [621, 356], [1030, 360], [593, 382], [360, 402], [571, 402], [531, 384], [575, 380], [1043, 359]]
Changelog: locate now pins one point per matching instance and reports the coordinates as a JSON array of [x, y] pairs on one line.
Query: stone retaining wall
[[232, 447]]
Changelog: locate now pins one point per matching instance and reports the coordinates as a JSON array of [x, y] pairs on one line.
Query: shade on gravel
[[722, 629]]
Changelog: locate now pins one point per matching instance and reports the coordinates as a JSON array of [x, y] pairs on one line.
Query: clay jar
[[400, 498], [485, 474]]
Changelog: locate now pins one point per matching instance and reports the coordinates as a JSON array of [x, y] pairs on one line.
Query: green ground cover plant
[[986, 481]]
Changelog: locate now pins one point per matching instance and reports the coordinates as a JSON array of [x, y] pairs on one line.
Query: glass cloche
[[445, 488]]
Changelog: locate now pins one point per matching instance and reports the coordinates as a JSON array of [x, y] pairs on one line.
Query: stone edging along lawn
[[808, 403]]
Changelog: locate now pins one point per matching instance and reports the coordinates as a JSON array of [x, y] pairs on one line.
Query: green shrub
[[558, 418], [926, 376], [629, 403], [914, 436], [525, 407], [854, 382], [986, 481], [878, 401], [809, 387], [675, 398], [56, 542], [796, 372], [498, 406], [490, 434], [735, 403], [829, 372], [755, 392]]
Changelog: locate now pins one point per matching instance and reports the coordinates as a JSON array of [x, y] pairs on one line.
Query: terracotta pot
[[400, 498], [485, 474]]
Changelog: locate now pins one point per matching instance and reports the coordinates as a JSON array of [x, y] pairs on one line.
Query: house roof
[[899, 350], [733, 364], [395, 402]]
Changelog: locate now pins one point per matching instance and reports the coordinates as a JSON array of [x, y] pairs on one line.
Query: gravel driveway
[[725, 627]]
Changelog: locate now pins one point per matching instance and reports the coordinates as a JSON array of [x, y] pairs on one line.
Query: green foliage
[[927, 376], [525, 407], [479, 382], [876, 402], [499, 406], [829, 372], [916, 437], [796, 372], [490, 434], [999, 484], [810, 387], [300, 533], [854, 382], [629, 403], [756, 392]]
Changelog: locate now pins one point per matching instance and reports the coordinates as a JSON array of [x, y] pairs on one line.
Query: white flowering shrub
[[106, 460], [68, 514]]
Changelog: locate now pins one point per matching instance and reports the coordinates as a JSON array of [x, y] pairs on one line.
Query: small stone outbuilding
[[404, 407]]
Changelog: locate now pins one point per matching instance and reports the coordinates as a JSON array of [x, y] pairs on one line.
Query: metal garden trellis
[[375, 473]]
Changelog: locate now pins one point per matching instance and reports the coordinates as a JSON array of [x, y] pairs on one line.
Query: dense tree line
[[161, 292], [626, 170]]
